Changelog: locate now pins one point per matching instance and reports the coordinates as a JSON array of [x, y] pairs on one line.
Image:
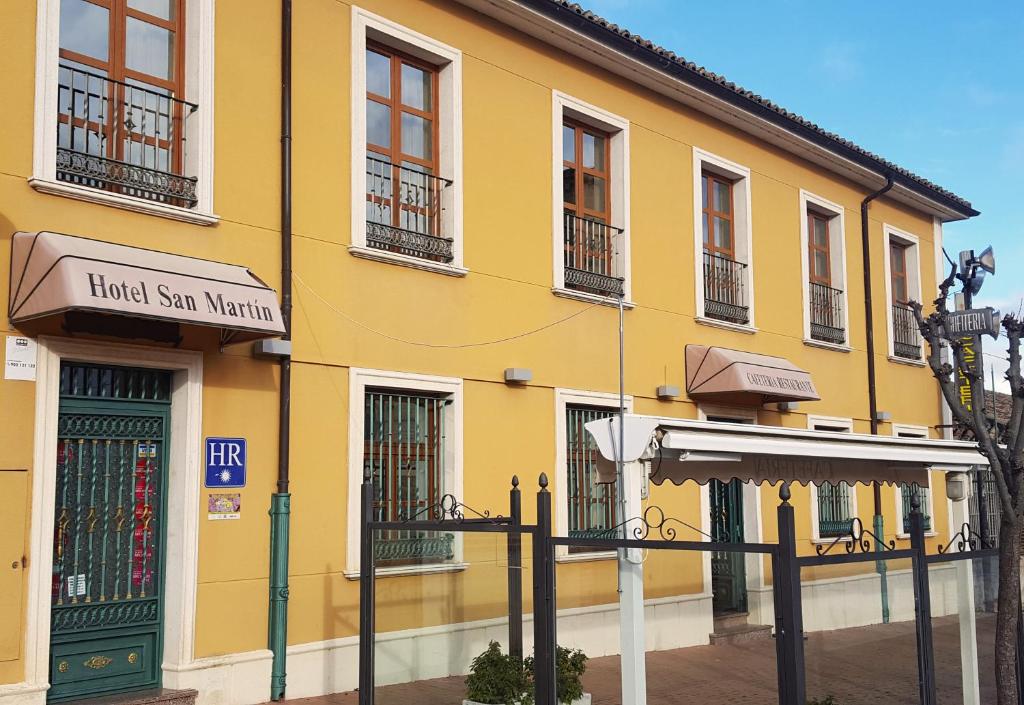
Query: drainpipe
[[280, 501], [869, 324]]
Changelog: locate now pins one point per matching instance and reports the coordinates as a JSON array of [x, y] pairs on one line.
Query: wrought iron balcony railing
[[591, 249], [123, 138], [725, 289], [827, 320], [403, 211], [404, 547], [906, 336]]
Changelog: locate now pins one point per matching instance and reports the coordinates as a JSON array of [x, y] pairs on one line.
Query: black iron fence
[[828, 322], [655, 532], [906, 336], [122, 137], [404, 207], [725, 289], [591, 261]]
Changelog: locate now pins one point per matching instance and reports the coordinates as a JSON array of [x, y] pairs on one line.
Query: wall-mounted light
[[667, 392], [518, 375], [272, 348], [958, 486], [788, 405], [883, 416]]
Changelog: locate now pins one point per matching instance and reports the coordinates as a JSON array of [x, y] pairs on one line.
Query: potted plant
[[570, 664], [497, 679]]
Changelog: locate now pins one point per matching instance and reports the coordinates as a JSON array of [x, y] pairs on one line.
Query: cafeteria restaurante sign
[[776, 381]]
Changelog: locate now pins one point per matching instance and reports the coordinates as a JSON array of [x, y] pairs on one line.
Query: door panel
[[108, 542], [728, 571], [13, 488]]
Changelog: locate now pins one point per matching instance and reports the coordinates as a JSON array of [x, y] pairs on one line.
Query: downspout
[[280, 501], [869, 325]]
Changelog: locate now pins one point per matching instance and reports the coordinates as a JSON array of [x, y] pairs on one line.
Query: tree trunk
[[1006, 614]]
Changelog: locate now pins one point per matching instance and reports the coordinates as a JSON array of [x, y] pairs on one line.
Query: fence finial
[[543, 481], [784, 493], [515, 482]]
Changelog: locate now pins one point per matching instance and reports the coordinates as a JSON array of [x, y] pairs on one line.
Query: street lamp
[[972, 271]]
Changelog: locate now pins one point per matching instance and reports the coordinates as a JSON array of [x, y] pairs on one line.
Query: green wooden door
[[109, 528], [728, 573]]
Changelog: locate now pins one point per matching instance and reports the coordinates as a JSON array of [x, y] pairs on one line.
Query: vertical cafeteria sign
[[971, 346]]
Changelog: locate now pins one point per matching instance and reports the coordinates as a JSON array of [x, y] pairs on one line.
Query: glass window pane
[[704, 192], [84, 28], [378, 74], [898, 262], [821, 268], [593, 151], [416, 88], [417, 137], [378, 124], [569, 185], [722, 199], [704, 223], [820, 232], [149, 49], [164, 9], [723, 234], [568, 144], [593, 193]]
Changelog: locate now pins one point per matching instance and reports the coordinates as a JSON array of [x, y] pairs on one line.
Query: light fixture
[[788, 406], [883, 416], [958, 486], [273, 348], [667, 392], [518, 375], [709, 457], [970, 264]]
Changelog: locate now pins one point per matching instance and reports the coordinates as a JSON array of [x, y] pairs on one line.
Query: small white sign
[[21, 358], [76, 585]]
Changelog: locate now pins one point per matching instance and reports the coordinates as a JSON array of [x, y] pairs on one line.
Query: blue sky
[[935, 86]]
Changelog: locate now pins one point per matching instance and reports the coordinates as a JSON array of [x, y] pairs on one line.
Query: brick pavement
[[858, 666]]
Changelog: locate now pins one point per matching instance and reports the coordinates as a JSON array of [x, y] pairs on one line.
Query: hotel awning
[[52, 274], [681, 450], [745, 377]]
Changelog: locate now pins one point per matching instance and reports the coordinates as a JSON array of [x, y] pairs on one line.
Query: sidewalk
[[859, 666]]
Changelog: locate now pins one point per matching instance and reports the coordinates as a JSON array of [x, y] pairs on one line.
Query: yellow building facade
[[474, 183]]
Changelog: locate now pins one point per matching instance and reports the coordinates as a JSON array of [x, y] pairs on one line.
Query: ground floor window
[[404, 436], [834, 517], [907, 497], [591, 504]]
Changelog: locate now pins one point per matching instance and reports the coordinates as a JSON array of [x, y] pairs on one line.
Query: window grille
[[404, 437], [834, 510], [907, 494], [591, 505]]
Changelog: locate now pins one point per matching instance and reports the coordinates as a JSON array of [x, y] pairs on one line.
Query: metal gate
[[108, 550], [728, 575]]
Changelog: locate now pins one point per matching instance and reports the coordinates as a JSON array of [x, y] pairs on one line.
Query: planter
[[585, 700]]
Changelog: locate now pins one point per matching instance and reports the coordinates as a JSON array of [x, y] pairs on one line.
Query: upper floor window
[[723, 206], [406, 146], [591, 201], [903, 286], [121, 113], [403, 191], [123, 96], [825, 270]]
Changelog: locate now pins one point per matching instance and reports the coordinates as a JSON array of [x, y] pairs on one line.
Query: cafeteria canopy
[[680, 450], [742, 377], [54, 274]]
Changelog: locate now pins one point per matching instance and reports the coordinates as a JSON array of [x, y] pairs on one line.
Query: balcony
[[906, 337], [123, 138], [403, 211], [725, 289], [591, 249], [827, 319]]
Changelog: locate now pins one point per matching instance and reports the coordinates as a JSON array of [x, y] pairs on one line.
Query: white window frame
[[743, 231], [813, 422], [562, 106], [199, 73], [565, 398], [913, 431], [837, 253], [359, 380], [448, 59], [913, 243]]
